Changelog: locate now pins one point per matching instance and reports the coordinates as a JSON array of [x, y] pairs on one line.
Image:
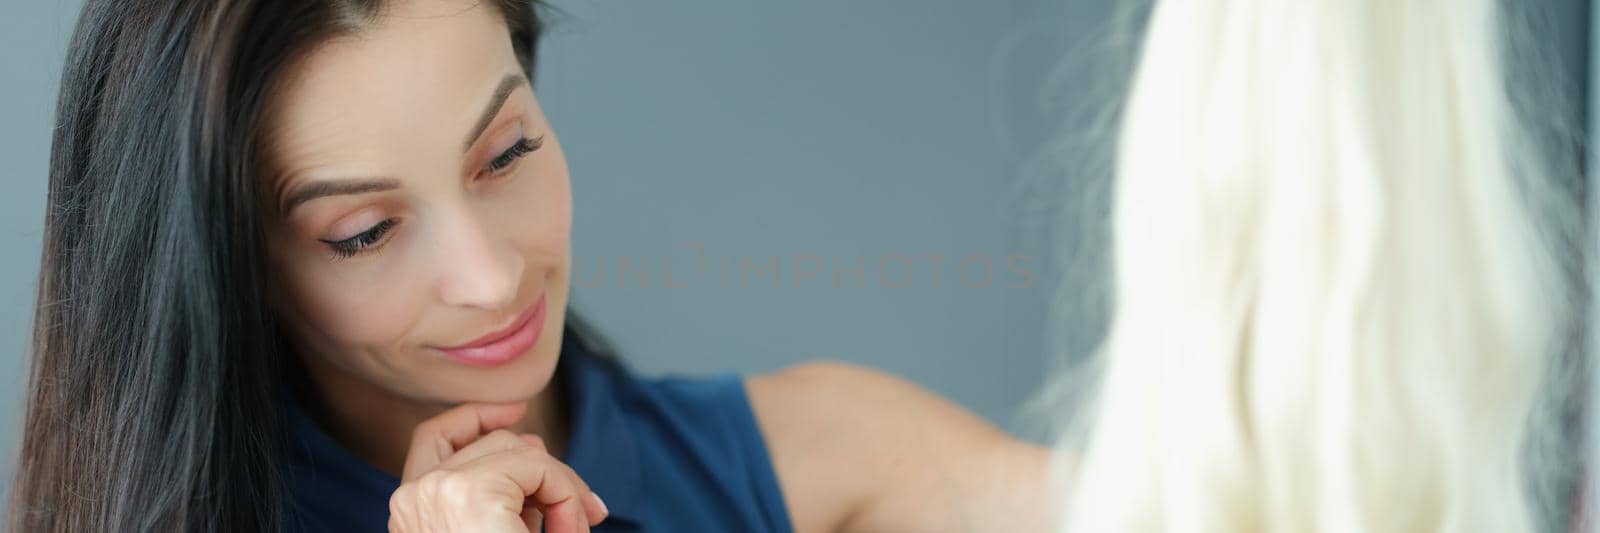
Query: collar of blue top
[[601, 448]]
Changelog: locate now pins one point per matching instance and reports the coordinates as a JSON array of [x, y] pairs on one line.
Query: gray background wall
[[738, 146]]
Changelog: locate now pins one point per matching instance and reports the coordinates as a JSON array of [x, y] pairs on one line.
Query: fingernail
[[602, 503]]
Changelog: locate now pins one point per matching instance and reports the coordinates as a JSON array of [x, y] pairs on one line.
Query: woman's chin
[[518, 382]]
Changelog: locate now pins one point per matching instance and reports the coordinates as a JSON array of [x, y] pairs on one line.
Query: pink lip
[[500, 347]]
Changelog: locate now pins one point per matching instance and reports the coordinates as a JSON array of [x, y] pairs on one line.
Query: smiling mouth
[[501, 346]]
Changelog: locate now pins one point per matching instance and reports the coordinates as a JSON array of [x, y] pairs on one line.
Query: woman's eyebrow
[[319, 189], [501, 92]]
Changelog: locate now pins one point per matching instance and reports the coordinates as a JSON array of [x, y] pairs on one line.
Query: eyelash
[[512, 154], [362, 242]]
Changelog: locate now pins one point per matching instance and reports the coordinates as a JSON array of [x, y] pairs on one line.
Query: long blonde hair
[[1342, 280]]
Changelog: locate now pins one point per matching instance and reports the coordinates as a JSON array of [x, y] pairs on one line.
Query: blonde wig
[[1342, 281]]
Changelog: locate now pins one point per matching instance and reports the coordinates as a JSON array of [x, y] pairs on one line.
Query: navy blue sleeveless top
[[668, 454]]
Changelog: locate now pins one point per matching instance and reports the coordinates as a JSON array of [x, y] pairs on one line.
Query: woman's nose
[[478, 268]]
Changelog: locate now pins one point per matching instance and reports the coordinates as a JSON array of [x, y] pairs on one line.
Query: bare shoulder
[[805, 388], [859, 449], [810, 414], [819, 403]]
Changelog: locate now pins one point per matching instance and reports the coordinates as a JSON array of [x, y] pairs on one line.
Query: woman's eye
[[511, 155], [361, 242]]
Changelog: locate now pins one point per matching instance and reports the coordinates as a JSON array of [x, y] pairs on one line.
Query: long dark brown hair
[[152, 397]]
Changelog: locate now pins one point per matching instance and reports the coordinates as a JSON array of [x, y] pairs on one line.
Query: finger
[[439, 437], [594, 508], [402, 515], [565, 517], [537, 476], [496, 441], [533, 518], [578, 516], [520, 479]]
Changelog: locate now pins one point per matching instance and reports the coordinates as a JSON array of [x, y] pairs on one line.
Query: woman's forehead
[[412, 82]]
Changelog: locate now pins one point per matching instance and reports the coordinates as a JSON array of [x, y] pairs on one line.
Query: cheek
[[352, 311], [537, 211]]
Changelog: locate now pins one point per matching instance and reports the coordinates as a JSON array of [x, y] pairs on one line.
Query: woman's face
[[419, 209]]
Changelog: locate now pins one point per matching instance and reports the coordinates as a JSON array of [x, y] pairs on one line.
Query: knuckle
[[397, 504], [400, 505], [431, 482], [536, 455], [453, 487], [503, 439]]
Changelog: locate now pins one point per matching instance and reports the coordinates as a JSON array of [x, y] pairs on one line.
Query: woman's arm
[[859, 450]]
